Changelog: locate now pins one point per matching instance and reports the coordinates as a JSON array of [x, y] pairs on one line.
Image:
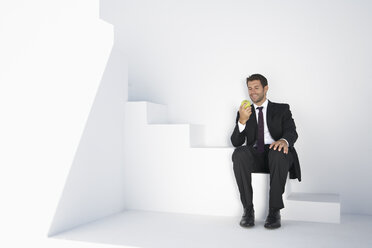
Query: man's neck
[[261, 102]]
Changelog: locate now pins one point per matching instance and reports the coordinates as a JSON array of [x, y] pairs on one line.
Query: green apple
[[246, 102]]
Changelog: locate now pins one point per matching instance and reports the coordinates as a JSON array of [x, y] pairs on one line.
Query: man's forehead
[[254, 83]]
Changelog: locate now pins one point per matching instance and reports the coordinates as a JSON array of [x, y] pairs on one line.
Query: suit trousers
[[247, 160]]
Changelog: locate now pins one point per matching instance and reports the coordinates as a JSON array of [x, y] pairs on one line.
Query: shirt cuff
[[241, 127], [285, 141]]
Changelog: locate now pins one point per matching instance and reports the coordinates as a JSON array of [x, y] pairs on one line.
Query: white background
[[191, 56]]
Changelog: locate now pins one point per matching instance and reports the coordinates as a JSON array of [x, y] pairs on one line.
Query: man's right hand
[[244, 114]]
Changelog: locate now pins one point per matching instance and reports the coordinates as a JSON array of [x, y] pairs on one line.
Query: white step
[[146, 112], [312, 207], [155, 117]]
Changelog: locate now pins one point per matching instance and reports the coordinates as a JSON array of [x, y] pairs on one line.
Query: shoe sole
[[273, 227], [248, 226]]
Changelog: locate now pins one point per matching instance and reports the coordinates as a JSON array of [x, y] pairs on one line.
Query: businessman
[[270, 133]]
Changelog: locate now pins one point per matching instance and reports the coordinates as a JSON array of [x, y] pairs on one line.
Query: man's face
[[256, 92]]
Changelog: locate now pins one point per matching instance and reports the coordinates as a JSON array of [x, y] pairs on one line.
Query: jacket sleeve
[[289, 127], [237, 137]]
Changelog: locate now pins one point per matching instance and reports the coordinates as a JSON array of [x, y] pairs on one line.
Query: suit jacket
[[280, 124]]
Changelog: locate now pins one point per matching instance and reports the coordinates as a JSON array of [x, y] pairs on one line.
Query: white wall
[[195, 55], [52, 58], [95, 184]]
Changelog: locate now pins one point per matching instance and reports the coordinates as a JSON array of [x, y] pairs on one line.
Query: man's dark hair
[[262, 79]]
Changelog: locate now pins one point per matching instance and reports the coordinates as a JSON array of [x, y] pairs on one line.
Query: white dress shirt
[[268, 139]]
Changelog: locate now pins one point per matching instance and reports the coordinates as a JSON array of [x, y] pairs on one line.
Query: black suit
[[247, 160]]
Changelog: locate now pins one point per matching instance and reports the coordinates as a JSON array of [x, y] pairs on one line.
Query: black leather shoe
[[247, 218], [273, 219]]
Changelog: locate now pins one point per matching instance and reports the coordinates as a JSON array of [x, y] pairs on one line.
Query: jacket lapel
[[253, 114], [269, 113], [253, 121]]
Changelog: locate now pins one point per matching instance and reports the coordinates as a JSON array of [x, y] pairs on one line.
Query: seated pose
[[270, 133]]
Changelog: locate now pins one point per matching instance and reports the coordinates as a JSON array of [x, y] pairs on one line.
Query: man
[[270, 132]]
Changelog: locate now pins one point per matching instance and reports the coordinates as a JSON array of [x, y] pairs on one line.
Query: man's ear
[[266, 88]]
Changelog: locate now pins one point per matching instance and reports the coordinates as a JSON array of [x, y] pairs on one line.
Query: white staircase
[[169, 169]]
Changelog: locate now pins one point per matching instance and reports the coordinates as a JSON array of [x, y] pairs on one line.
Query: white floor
[[157, 229]]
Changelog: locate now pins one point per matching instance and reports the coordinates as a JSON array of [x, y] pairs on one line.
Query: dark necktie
[[260, 141]]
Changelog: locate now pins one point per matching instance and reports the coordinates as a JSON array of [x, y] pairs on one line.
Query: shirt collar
[[263, 105]]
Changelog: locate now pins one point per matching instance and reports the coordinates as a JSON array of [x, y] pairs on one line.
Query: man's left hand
[[280, 144]]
